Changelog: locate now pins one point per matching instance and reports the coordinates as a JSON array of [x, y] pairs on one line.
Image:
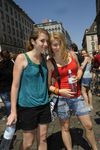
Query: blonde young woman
[[87, 79], [68, 100], [29, 75]]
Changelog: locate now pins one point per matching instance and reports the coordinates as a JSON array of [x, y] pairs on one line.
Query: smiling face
[[58, 44], [41, 43], [39, 40], [55, 46], [84, 53]]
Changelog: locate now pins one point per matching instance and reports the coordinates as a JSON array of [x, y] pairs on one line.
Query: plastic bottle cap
[[69, 71]]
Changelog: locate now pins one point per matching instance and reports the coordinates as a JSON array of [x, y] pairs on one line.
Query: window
[[18, 42], [19, 17], [26, 30], [92, 37], [11, 11], [14, 39], [0, 3], [13, 31], [17, 32], [93, 45], [4, 38], [16, 24], [15, 14], [22, 20], [3, 27], [21, 34], [10, 39], [19, 26], [9, 29], [1, 15], [7, 18], [95, 28], [6, 7], [25, 22], [12, 21]]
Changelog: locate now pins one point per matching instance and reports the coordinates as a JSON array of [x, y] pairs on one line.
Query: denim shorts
[[67, 105], [86, 82]]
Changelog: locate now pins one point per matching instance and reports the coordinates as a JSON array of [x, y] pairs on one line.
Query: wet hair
[[74, 47], [34, 35], [60, 37], [85, 51], [5, 54]]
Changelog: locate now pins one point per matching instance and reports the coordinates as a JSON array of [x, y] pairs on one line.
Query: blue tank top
[[33, 90], [87, 73]]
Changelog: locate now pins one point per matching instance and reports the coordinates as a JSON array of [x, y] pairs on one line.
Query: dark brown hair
[[34, 35], [5, 54]]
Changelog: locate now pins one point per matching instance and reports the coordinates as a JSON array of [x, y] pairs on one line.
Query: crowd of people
[[6, 71], [28, 104]]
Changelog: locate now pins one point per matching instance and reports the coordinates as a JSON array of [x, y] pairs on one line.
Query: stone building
[[97, 19], [15, 26], [90, 39], [52, 26]]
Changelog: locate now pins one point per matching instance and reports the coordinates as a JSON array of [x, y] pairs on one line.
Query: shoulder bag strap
[[56, 70]]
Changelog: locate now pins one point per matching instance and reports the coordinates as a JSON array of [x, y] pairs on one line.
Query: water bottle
[[73, 84], [52, 107], [52, 104], [7, 137]]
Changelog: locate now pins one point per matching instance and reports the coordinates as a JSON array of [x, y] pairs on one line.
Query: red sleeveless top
[[63, 72]]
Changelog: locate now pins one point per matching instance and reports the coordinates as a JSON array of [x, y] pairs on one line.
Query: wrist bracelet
[[56, 91], [78, 78]]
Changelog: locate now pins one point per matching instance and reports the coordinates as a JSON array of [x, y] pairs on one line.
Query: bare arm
[[52, 88], [79, 72], [17, 71], [84, 62], [50, 80]]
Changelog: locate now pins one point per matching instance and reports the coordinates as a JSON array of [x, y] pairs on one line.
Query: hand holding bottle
[[12, 119], [72, 81], [66, 92], [8, 133]]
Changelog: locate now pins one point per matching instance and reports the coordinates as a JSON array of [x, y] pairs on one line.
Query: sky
[[75, 15]]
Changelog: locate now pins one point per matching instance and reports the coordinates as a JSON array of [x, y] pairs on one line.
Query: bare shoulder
[[20, 60], [73, 54], [20, 57], [50, 65]]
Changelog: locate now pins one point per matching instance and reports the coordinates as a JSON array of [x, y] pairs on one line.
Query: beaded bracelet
[[56, 91]]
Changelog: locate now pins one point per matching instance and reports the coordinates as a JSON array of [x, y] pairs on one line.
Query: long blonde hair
[[60, 37]]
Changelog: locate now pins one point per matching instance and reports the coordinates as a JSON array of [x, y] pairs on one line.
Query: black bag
[[54, 100]]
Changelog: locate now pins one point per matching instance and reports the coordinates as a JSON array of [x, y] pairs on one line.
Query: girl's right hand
[[12, 119], [66, 92]]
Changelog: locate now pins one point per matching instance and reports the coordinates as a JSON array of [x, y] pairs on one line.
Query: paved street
[[54, 135]]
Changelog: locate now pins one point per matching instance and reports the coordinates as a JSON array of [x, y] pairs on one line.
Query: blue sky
[[76, 15]]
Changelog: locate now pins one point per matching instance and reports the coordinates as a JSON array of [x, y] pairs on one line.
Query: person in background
[[29, 75], [96, 61], [87, 79], [74, 47], [96, 71], [68, 100], [13, 56], [6, 71]]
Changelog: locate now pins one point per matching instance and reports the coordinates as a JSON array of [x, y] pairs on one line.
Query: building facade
[[90, 39], [54, 26], [15, 26], [97, 19]]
